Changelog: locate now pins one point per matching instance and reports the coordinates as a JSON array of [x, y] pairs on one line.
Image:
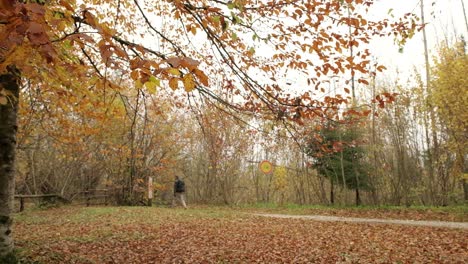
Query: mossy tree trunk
[[9, 83]]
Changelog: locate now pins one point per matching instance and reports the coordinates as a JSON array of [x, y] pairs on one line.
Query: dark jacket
[[179, 186]]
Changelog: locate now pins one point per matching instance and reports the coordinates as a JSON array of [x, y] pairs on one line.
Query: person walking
[[179, 192]]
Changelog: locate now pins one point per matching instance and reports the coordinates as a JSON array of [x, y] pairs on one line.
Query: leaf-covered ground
[[220, 235]]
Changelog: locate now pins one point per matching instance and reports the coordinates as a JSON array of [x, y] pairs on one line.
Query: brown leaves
[[23, 21], [185, 62], [6, 5], [142, 235]]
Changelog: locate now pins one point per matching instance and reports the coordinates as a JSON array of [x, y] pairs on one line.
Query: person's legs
[[174, 200], [179, 198], [182, 200]]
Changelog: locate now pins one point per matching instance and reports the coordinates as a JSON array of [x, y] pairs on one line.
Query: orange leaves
[[337, 146], [354, 22], [67, 5], [381, 68], [384, 98], [192, 29], [187, 80], [190, 77], [182, 69], [201, 77], [135, 75], [363, 81]]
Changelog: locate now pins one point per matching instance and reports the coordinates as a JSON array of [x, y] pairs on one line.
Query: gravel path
[[372, 221]]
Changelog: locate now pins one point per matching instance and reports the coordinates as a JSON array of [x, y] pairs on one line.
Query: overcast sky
[[445, 18]]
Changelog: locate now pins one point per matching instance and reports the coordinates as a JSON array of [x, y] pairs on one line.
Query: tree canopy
[[238, 52]]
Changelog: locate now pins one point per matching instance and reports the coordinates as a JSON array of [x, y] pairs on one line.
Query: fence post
[[87, 197], [105, 197], [150, 191], [21, 209]]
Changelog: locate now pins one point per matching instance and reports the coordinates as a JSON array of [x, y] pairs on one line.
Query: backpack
[[180, 186]]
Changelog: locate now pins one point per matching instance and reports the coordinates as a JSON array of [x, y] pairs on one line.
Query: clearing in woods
[[223, 235]]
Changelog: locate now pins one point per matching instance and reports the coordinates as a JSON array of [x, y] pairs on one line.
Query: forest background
[[412, 151]]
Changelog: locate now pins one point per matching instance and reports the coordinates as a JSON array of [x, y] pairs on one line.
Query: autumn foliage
[[67, 42]]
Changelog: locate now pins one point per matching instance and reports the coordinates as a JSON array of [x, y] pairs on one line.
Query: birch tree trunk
[[8, 115]]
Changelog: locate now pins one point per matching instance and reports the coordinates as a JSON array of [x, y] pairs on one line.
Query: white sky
[[446, 20]]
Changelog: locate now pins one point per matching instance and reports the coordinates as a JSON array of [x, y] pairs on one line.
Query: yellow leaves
[[234, 36], [465, 176], [280, 181], [189, 82], [448, 93], [174, 83], [138, 84], [151, 84], [174, 71], [192, 29]]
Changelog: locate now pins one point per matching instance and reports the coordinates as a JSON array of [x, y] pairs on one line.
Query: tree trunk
[[465, 189], [464, 14], [8, 114], [358, 197]]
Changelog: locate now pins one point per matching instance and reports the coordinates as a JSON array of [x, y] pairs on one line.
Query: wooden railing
[[23, 197], [88, 197], [93, 197]]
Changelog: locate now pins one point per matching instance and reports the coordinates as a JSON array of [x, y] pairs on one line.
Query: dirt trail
[[371, 220]]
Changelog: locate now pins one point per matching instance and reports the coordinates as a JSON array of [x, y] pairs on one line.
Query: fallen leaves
[[160, 235]]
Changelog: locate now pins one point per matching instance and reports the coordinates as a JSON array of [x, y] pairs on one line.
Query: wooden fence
[[45, 197], [93, 197], [88, 197]]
